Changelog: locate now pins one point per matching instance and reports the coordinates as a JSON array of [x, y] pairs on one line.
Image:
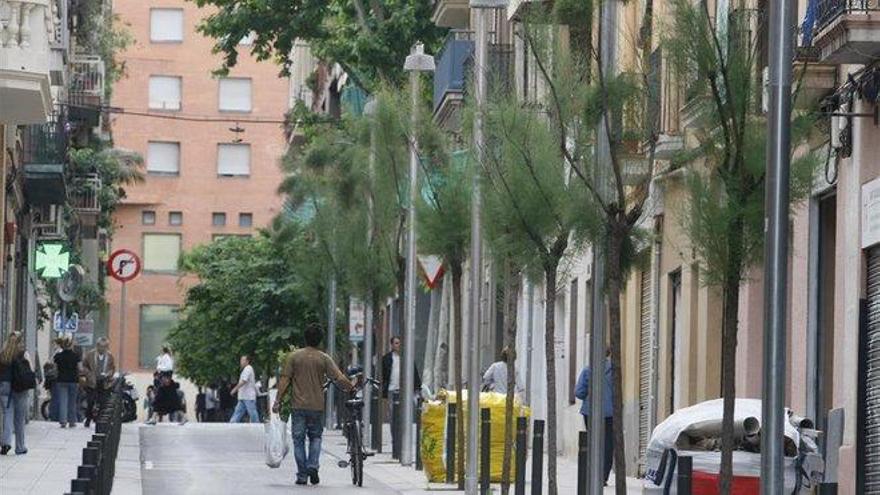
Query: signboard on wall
[[356, 321], [871, 213]]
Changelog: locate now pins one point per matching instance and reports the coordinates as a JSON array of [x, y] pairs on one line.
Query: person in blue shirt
[[582, 392]]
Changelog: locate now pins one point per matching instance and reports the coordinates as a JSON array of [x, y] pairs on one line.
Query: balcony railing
[[450, 75], [86, 92], [43, 155], [84, 194], [829, 10]]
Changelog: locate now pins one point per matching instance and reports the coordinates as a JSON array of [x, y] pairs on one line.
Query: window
[[235, 95], [218, 219], [148, 217], [245, 219], [175, 218], [233, 160], [166, 25], [163, 158], [220, 237], [161, 252], [165, 92], [156, 321]]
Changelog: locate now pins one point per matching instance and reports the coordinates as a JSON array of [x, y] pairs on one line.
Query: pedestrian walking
[[582, 392], [149, 396], [67, 387], [495, 378], [98, 366], [391, 383], [200, 406], [165, 363], [305, 371], [16, 380], [227, 402], [246, 390]]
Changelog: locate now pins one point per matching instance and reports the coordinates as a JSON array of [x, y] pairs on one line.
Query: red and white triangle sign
[[431, 268]]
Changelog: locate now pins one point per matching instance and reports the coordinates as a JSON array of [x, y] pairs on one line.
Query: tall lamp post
[[416, 63], [369, 111], [481, 46], [776, 254]]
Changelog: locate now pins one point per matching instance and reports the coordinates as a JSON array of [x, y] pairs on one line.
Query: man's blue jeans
[[311, 424], [245, 405]]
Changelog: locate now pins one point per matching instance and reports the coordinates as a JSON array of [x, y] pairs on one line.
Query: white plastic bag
[[277, 444]]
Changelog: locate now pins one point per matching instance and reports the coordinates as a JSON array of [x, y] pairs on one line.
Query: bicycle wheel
[[357, 455]]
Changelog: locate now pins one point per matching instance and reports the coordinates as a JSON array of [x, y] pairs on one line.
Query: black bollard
[[451, 414], [538, 458], [685, 471], [376, 420], [485, 448], [396, 427], [583, 451], [418, 420], [89, 473], [522, 431], [80, 485]]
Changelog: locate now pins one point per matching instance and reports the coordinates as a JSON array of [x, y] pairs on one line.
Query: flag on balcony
[[809, 22]]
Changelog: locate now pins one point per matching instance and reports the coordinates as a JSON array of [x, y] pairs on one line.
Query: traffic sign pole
[[122, 326], [123, 265]]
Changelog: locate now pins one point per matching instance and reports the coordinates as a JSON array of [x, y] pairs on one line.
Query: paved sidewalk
[[53, 456], [409, 481]]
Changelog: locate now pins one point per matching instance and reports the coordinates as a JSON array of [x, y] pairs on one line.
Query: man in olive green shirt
[[305, 371]]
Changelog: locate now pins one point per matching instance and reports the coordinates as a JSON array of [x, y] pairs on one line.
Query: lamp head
[[418, 60]]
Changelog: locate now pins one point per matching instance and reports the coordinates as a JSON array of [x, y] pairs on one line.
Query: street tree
[[603, 127], [248, 300], [369, 40], [536, 213], [727, 167]]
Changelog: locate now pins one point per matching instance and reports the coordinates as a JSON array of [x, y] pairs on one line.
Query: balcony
[[84, 197], [26, 29], [450, 77], [43, 154], [848, 31], [86, 93], [451, 13]]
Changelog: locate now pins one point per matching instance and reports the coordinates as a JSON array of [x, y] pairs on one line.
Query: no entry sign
[[124, 265]]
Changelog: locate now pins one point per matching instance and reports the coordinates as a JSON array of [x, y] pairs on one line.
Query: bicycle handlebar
[[358, 385]]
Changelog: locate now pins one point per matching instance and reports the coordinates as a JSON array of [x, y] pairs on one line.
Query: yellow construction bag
[[434, 433]]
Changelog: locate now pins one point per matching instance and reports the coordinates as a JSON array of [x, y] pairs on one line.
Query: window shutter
[[165, 92], [161, 252], [163, 157], [235, 94], [166, 25], [234, 159]]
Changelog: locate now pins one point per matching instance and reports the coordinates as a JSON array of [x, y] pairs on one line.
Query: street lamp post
[[416, 63], [369, 111], [331, 348], [776, 254]]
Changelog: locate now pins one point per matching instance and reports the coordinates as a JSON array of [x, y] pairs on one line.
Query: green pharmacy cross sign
[[52, 260]]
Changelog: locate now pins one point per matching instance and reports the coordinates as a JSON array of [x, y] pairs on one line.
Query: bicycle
[[353, 427]]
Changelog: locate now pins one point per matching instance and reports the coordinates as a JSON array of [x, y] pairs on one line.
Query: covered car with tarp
[[696, 432]]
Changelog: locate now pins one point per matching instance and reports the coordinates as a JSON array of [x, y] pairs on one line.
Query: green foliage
[[115, 169], [249, 300], [369, 41], [445, 209]]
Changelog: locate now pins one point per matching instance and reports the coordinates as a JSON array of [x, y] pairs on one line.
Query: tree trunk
[[615, 285], [511, 296], [459, 421], [729, 325], [550, 356]]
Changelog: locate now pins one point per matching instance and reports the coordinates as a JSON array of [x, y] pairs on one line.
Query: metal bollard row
[[95, 475]]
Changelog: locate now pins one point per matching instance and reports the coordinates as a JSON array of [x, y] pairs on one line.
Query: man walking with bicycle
[[305, 371]]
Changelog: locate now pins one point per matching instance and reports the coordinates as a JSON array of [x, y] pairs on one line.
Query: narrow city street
[[223, 458]]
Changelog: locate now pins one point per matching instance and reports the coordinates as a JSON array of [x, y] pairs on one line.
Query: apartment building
[[211, 146]]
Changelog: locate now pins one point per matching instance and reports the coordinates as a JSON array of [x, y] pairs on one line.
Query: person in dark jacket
[[14, 404], [392, 381], [66, 385], [582, 392], [167, 400]]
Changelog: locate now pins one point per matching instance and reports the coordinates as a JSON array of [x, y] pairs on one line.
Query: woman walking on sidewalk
[[67, 362], [15, 369]]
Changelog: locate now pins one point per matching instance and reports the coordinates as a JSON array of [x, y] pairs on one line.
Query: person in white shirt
[[391, 389], [165, 363], [247, 393], [495, 378]]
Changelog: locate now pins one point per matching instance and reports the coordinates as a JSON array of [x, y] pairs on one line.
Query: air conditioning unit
[[48, 221]]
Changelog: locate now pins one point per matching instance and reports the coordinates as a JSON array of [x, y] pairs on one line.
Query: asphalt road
[[200, 458]]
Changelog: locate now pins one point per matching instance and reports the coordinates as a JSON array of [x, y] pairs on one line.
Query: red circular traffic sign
[[124, 265]]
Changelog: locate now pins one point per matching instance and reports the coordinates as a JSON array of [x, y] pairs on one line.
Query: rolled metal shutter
[[645, 364], [872, 378]]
